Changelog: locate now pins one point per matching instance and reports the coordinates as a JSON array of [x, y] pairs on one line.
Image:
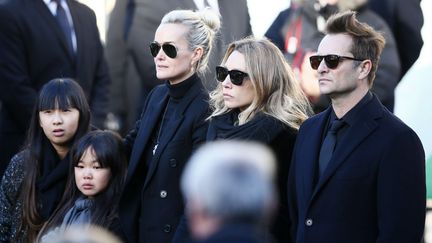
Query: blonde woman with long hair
[[258, 99]]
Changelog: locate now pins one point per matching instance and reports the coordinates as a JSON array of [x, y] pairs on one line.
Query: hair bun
[[211, 18]]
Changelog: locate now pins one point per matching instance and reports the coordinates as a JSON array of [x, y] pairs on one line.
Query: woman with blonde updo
[[172, 125]]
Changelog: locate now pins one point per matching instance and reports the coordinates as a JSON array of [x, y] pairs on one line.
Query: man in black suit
[[41, 40], [358, 171]]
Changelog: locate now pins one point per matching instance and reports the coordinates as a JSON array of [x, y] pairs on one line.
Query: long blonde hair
[[277, 93]]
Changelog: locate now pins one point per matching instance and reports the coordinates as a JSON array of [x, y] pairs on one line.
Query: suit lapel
[[166, 138], [147, 125], [168, 135], [310, 154], [361, 129], [50, 20]]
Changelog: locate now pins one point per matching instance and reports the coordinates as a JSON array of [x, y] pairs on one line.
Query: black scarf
[[261, 128], [267, 130], [51, 181]]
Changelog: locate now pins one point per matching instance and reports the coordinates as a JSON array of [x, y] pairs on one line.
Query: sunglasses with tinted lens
[[169, 49], [236, 76], [331, 61]]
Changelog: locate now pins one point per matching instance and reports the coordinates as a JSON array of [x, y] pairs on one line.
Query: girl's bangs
[[56, 99]]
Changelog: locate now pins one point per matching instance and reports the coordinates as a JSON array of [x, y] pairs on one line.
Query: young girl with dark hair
[[35, 179], [95, 182]]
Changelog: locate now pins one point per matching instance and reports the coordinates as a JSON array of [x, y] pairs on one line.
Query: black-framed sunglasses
[[169, 49], [331, 61], [236, 76]]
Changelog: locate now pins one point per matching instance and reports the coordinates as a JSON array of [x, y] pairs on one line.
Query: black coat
[[33, 51], [158, 185], [373, 189]]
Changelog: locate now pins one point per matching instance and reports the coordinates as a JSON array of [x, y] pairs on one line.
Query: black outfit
[[34, 50], [375, 176], [173, 118]]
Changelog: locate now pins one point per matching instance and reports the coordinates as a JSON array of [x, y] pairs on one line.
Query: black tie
[[328, 145], [64, 25]]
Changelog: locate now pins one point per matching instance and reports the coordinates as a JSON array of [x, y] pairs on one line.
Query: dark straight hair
[[110, 153], [56, 94]]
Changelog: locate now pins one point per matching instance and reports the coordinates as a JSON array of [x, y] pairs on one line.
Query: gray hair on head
[[231, 181]]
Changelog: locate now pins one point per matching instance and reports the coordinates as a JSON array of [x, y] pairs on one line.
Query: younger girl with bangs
[[35, 179], [259, 100], [95, 183]]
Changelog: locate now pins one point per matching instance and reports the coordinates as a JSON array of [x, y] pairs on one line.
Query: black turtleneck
[[175, 93]]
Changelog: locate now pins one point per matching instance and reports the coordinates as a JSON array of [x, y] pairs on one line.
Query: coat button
[[167, 228], [309, 222], [173, 163], [163, 194]]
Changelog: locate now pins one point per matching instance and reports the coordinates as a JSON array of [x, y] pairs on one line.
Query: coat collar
[[149, 122], [182, 105], [355, 134]]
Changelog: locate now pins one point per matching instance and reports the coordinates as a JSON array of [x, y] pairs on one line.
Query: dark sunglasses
[[331, 61], [169, 49], [236, 76]]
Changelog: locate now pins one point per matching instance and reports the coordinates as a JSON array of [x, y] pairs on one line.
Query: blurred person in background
[[405, 19], [134, 22], [171, 127], [298, 31], [41, 40], [229, 191]]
